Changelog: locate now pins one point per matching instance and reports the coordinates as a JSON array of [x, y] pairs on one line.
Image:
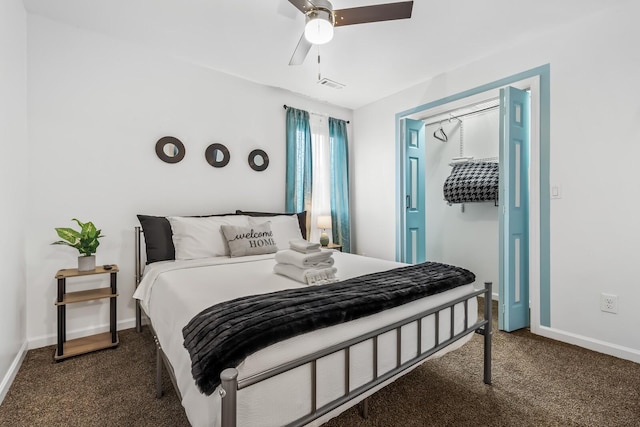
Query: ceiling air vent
[[330, 83]]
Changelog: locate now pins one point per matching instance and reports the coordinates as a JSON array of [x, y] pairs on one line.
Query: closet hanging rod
[[318, 114], [462, 115]]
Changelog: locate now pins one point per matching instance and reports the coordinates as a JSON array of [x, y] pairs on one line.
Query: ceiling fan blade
[[303, 48], [303, 5], [375, 13]]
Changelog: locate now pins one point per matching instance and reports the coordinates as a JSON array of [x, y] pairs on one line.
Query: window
[[317, 176], [321, 183]]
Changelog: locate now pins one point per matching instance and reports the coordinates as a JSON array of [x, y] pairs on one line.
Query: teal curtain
[[299, 169], [339, 181]]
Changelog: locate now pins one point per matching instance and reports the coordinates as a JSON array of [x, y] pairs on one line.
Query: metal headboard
[[138, 273]]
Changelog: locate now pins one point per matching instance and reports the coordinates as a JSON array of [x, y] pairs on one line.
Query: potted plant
[[85, 241]]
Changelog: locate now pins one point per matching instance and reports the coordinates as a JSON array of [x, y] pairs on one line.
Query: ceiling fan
[[321, 18]]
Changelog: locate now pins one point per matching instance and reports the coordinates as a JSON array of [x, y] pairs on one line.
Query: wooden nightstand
[[93, 342], [333, 246]]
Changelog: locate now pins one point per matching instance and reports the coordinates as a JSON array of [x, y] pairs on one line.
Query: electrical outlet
[[609, 303]]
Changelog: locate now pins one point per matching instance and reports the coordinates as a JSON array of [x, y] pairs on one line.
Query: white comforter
[[172, 292]]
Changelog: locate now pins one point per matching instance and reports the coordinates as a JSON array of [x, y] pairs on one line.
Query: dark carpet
[[536, 382]]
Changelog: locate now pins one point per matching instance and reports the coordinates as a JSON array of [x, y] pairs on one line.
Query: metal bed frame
[[231, 384]]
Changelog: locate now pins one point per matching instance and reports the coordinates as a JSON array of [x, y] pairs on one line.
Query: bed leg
[[158, 369], [365, 408], [228, 390], [488, 303]]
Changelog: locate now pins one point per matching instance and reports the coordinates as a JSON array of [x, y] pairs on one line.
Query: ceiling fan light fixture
[[319, 26]]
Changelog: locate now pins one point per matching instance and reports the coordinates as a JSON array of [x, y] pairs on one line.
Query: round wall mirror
[[258, 160], [217, 155], [170, 149]]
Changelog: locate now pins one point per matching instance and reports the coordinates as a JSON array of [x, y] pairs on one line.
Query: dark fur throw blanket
[[223, 335]]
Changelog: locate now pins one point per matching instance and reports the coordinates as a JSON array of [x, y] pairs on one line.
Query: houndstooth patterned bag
[[472, 182]]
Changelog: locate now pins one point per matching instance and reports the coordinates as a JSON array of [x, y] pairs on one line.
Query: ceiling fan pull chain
[[319, 72]]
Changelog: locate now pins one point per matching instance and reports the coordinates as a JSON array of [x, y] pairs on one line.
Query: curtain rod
[[317, 114]]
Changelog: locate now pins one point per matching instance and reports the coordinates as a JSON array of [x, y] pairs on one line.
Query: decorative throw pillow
[[157, 238], [284, 227], [201, 237], [252, 240]]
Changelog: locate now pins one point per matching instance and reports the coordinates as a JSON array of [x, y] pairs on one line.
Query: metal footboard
[[231, 385]]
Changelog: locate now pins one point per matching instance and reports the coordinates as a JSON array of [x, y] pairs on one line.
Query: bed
[[308, 378]]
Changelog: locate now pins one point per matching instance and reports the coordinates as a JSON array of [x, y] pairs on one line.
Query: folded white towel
[[316, 259], [291, 271], [304, 246], [307, 276], [305, 251]]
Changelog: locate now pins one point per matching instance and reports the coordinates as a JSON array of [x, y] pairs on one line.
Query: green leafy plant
[[85, 240]]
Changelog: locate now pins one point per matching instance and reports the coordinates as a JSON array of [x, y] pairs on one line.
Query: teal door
[[415, 234], [513, 307]]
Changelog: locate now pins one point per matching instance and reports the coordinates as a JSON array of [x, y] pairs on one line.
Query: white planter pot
[[86, 263]]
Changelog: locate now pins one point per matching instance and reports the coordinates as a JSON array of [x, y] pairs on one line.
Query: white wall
[[466, 238], [97, 106], [13, 190], [594, 150]]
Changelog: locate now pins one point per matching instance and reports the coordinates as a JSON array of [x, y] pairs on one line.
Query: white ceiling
[[254, 39]]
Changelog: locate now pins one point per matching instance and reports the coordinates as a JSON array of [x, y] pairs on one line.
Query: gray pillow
[[254, 240]]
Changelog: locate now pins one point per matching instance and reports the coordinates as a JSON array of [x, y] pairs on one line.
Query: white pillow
[[252, 240], [284, 228], [202, 237]]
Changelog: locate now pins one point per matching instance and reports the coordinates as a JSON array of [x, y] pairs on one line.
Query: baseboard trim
[[13, 371], [590, 343], [47, 340]]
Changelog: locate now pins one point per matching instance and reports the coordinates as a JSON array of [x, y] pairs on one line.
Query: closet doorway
[[491, 239]]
